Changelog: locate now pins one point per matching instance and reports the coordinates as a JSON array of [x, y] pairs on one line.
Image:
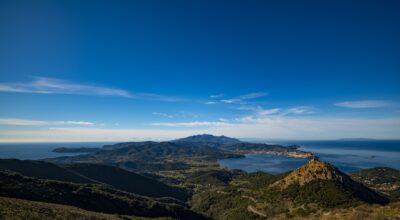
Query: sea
[[348, 156], [37, 151]]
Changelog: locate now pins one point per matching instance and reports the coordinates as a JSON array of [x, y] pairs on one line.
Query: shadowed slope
[[91, 197], [42, 170], [128, 181]]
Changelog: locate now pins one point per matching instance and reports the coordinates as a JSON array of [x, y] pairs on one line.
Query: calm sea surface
[[346, 155], [35, 151]]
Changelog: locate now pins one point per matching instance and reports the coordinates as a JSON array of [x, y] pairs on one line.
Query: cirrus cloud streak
[[365, 104], [28, 122], [45, 85]]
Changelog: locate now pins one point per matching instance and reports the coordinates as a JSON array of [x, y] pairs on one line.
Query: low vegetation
[[383, 179], [15, 209], [128, 181], [92, 197]]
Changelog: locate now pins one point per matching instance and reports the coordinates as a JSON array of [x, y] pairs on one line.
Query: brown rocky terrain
[[314, 170], [317, 171]]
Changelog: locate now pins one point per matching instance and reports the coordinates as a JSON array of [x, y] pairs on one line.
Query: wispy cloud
[[300, 110], [264, 112], [180, 114], [236, 100], [191, 124], [253, 95], [216, 96], [365, 104], [260, 111], [57, 86], [211, 103], [28, 122], [230, 101], [162, 114], [44, 85]]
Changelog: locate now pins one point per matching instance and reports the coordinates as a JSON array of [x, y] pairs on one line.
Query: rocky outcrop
[[314, 170], [325, 174]]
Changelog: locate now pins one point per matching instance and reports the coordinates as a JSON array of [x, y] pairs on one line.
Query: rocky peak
[[313, 170], [208, 138]]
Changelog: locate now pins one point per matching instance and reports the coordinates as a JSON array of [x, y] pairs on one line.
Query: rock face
[[314, 170]]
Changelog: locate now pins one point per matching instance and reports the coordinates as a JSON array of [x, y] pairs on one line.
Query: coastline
[[292, 154]]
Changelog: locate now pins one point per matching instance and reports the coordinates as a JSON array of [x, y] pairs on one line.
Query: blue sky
[[133, 70]]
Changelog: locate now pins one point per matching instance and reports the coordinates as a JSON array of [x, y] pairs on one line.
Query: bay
[[348, 156]]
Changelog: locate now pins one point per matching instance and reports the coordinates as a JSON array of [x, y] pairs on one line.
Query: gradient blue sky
[[133, 70]]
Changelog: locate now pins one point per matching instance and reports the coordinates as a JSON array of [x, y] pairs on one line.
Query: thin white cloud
[[249, 108], [272, 111], [190, 124], [240, 99], [28, 122], [216, 96], [181, 114], [86, 123], [22, 122], [211, 103], [260, 111], [44, 85], [186, 114], [300, 110], [365, 104], [253, 95], [162, 114], [230, 101]]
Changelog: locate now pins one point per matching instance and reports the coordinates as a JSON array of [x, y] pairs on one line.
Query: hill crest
[[321, 178], [313, 170]]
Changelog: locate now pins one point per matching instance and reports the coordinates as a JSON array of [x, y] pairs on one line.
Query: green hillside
[[382, 179], [95, 173], [42, 170], [11, 208], [90, 197], [128, 181], [304, 192]]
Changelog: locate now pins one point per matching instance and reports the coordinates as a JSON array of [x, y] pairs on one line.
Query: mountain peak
[[208, 138], [315, 169]]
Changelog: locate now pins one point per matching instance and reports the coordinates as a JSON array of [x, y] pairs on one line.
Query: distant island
[[356, 139], [76, 150], [226, 147]]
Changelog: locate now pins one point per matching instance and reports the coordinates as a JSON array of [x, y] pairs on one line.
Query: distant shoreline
[[76, 150]]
